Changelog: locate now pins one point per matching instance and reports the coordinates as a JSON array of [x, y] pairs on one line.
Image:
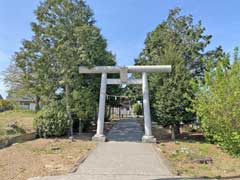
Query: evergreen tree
[[235, 55], [65, 37], [180, 43]]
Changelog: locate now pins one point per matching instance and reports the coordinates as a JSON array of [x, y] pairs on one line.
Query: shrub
[[217, 105], [5, 105], [52, 120], [137, 109]]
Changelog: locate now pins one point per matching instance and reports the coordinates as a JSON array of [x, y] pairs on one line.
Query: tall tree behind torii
[[181, 43], [65, 36]]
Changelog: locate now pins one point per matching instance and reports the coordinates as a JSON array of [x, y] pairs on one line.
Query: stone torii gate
[[104, 70]]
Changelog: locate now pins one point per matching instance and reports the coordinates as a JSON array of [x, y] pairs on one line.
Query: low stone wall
[[17, 139]]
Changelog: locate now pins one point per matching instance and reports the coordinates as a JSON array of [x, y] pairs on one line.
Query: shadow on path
[[126, 130]]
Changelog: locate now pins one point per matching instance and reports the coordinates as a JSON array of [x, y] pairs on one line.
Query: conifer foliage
[[179, 42], [65, 37]]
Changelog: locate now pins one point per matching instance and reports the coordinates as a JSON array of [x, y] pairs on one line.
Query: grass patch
[[183, 153], [13, 123]]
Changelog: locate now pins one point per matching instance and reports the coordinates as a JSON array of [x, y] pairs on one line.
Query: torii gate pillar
[[99, 136], [148, 137]]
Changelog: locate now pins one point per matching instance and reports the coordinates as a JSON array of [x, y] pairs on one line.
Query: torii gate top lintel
[[124, 70], [130, 69]]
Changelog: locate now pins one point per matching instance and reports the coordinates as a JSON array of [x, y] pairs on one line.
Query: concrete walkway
[[126, 130], [121, 160], [128, 160]]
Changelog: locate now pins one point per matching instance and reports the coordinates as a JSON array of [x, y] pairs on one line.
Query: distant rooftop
[[20, 99]]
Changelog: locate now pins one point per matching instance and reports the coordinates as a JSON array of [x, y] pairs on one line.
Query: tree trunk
[[37, 101], [67, 93], [113, 112], [175, 131], [106, 113], [80, 126], [119, 112], [173, 137], [109, 112]]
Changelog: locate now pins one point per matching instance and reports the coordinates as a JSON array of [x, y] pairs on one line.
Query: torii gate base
[[99, 136]]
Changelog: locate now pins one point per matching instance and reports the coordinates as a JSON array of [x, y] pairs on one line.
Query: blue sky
[[124, 23]]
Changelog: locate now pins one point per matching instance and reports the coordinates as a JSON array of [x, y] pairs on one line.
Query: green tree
[[65, 37], [170, 101], [137, 108], [235, 55], [13, 80], [217, 103], [30, 73], [179, 42]]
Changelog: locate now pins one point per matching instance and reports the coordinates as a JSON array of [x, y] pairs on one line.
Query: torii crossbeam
[[124, 70]]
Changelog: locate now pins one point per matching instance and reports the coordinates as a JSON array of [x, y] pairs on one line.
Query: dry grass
[[41, 157], [182, 155], [191, 146], [23, 119]]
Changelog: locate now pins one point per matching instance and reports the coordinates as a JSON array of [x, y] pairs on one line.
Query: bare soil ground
[[42, 157], [185, 152]]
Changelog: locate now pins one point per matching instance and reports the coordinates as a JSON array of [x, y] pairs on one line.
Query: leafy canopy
[[217, 103]]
